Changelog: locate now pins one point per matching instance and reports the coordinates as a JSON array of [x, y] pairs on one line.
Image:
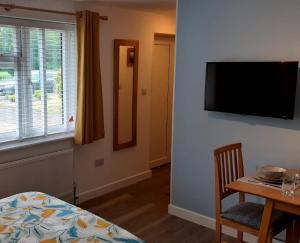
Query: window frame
[[24, 87]]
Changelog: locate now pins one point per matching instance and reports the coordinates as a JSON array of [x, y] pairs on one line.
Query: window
[[37, 81]]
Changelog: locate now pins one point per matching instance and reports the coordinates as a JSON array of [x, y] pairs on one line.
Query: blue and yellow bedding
[[37, 217]]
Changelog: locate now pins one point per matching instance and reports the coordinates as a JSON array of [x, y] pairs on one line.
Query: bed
[[37, 217]]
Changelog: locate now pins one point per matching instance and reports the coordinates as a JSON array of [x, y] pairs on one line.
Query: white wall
[[122, 24], [233, 30]]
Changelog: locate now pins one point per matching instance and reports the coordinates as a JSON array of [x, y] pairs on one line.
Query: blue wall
[[231, 30]]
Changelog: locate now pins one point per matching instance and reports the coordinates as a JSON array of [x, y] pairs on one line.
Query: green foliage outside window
[[53, 49], [58, 83], [11, 98], [5, 75], [37, 94], [7, 40]]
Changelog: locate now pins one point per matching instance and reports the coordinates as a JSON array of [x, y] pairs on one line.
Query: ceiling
[[167, 4]]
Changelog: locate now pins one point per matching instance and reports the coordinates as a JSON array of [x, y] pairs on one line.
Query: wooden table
[[274, 200]]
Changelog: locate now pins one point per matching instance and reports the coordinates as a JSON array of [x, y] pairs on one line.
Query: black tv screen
[[253, 88]]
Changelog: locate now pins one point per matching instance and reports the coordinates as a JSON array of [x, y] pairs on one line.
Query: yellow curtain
[[89, 118]]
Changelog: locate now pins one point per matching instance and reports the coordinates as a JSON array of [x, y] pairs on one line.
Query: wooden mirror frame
[[117, 44]]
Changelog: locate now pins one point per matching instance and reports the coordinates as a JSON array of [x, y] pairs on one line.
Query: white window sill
[[36, 141]]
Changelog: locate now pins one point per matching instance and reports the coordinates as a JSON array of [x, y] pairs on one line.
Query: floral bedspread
[[37, 217]]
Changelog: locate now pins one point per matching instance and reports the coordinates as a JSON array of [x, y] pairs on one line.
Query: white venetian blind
[[37, 79]]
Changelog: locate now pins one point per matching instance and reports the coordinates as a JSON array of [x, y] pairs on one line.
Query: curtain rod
[[9, 7]]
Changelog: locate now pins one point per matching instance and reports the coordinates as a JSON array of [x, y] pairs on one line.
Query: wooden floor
[[142, 209]]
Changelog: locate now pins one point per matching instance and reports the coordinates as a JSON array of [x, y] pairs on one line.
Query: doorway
[[161, 99]]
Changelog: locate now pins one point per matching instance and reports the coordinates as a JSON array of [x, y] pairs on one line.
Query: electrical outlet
[[99, 162]]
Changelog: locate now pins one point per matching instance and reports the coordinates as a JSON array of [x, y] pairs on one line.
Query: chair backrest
[[228, 168]]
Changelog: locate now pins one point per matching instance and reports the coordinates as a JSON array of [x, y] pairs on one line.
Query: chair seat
[[250, 214]]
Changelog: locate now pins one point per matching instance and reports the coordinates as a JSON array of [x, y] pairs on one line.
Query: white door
[[161, 101]]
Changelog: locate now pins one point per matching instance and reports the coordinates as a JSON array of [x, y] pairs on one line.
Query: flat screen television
[[253, 88]]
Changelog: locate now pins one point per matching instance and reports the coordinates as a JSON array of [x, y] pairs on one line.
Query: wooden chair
[[245, 216]]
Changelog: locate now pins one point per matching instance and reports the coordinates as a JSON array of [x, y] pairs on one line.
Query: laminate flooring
[[142, 209]]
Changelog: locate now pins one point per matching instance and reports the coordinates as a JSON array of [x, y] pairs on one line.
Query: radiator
[[50, 173]]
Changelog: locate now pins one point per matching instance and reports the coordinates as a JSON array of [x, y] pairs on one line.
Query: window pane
[[37, 81], [54, 84], [8, 43], [8, 101], [35, 72]]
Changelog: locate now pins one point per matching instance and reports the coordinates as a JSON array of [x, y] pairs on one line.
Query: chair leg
[[292, 232], [240, 237], [270, 238], [296, 230], [218, 232]]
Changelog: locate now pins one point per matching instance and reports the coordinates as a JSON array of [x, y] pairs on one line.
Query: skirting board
[[207, 222], [158, 162], [99, 191]]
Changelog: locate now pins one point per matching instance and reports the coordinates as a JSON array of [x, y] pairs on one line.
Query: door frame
[[163, 38]]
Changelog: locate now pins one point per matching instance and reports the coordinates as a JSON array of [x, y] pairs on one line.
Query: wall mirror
[[126, 54]]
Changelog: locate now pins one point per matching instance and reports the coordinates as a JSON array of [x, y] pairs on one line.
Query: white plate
[[264, 176], [268, 180]]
